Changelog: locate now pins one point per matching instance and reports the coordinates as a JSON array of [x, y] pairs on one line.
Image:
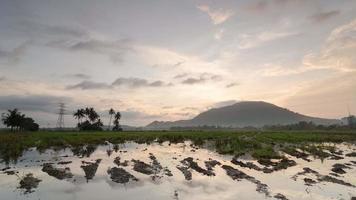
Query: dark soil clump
[[90, 168], [339, 168], [142, 167], [59, 173], [187, 174], [119, 175], [269, 165], [309, 181], [210, 164], [321, 178], [64, 162], [280, 196], [28, 183], [236, 174], [154, 168], [299, 154], [11, 172], [117, 161], [194, 165], [353, 154]]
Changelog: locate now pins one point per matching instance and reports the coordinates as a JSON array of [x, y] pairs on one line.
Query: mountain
[[243, 114]]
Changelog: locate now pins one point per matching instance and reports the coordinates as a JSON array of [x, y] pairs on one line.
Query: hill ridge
[[242, 114]]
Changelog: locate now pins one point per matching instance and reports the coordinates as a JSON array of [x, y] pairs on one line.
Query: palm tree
[[111, 112], [91, 119], [117, 117], [11, 119], [14, 119], [92, 114], [79, 114]]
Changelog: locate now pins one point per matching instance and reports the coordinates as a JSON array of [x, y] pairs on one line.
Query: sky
[[170, 60]]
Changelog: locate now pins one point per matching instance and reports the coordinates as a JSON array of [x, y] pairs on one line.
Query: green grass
[[259, 144]]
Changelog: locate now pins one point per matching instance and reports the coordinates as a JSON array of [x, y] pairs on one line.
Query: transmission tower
[[60, 121]]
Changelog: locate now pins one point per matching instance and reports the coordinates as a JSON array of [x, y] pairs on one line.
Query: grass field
[[259, 144]]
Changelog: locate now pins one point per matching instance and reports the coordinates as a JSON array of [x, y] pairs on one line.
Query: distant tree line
[[351, 121], [89, 119], [18, 121], [303, 125]]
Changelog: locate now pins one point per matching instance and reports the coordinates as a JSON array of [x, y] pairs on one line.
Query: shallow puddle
[[173, 171]]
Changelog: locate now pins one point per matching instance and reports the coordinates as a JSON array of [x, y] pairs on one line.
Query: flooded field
[[176, 171]]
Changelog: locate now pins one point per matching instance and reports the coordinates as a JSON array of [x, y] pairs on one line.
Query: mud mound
[[59, 173], [119, 175]]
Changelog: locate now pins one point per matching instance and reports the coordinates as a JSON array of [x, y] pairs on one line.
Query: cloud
[[262, 5], [125, 82], [247, 41], [204, 77], [44, 103], [138, 82], [132, 114], [323, 16], [257, 6], [78, 76], [177, 64], [338, 51], [217, 16], [76, 39], [89, 85], [219, 34], [2, 78], [14, 56], [230, 85], [332, 94], [40, 30], [178, 76], [114, 49], [271, 70], [191, 81], [223, 104]]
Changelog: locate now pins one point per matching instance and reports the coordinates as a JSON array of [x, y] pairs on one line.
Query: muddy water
[[173, 171]]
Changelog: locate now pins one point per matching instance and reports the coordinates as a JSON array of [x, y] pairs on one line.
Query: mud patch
[[90, 168], [118, 162], [154, 168], [28, 183], [353, 154], [11, 172], [280, 196], [59, 173], [64, 162], [210, 164], [269, 166], [320, 177], [119, 175], [185, 170], [339, 168], [299, 154], [83, 151], [238, 175], [190, 163], [142, 167]]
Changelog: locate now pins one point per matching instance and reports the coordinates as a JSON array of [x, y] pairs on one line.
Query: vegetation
[[111, 113], [18, 121], [303, 125], [258, 144], [117, 126], [351, 121], [92, 120]]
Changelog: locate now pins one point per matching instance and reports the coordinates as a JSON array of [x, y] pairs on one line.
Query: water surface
[[217, 184]]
